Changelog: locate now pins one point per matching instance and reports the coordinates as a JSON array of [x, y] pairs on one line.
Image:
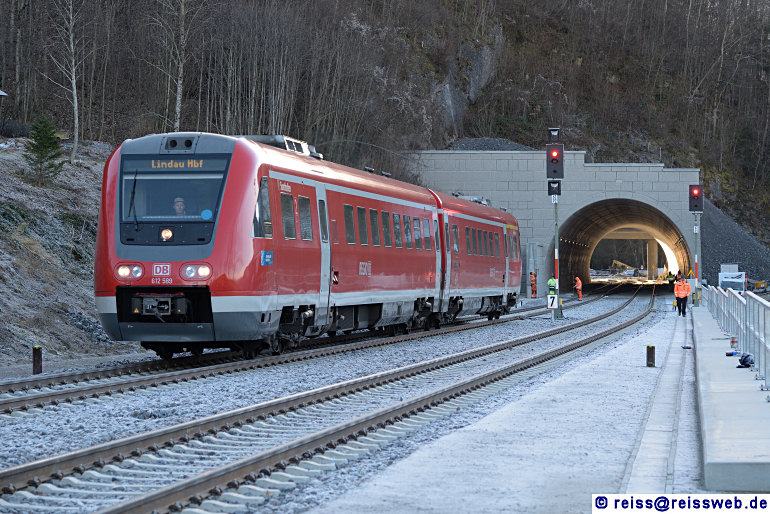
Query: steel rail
[[175, 496], [131, 383], [33, 473]]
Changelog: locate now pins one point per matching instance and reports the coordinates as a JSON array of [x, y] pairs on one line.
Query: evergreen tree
[[44, 151]]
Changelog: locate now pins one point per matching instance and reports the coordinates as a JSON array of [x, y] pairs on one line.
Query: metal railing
[[746, 317]]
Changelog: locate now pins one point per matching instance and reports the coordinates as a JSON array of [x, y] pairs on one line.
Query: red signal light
[[696, 191], [555, 153]]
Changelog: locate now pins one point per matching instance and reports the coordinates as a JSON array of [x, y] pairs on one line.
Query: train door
[[448, 259], [507, 262], [324, 297]]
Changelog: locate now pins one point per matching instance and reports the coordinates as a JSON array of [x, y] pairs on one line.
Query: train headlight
[[129, 271], [196, 271], [166, 234]]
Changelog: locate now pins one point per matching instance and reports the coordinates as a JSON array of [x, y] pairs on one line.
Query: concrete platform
[[734, 414]]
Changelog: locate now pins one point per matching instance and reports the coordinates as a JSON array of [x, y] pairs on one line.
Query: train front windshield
[[171, 189]]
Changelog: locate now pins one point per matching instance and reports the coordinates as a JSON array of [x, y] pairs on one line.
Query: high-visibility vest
[[682, 289], [578, 283]]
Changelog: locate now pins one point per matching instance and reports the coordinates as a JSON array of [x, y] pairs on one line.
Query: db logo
[[161, 270]]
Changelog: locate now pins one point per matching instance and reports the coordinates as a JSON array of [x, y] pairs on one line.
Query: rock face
[[467, 74]]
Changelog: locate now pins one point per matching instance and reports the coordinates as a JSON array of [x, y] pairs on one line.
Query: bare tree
[[67, 54], [176, 23]]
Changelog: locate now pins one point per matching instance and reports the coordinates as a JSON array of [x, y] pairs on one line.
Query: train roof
[[342, 175], [451, 203]]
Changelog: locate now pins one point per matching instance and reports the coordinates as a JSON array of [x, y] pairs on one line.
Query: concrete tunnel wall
[[596, 199], [582, 231]]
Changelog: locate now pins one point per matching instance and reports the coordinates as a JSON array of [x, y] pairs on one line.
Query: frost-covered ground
[[65, 428], [547, 445], [544, 445]]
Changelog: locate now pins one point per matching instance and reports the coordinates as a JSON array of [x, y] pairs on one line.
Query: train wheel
[[276, 345]]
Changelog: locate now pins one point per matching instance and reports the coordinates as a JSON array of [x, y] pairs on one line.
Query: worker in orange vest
[[533, 283], [682, 291], [579, 288]]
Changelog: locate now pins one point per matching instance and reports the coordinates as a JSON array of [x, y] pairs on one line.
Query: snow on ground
[[64, 428], [543, 445], [547, 445]]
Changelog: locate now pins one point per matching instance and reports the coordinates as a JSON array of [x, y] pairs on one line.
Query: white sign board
[[553, 301]]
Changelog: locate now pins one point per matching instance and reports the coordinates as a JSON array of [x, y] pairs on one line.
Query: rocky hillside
[[46, 258]]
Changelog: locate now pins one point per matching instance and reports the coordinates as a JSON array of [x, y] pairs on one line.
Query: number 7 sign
[[553, 301]]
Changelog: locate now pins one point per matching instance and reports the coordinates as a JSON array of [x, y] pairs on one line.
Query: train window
[[446, 236], [481, 245], [475, 247], [468, 239], [435, 235], [287, 214], [374, 219], [516, 246], [407, 231], [417, 235], [397, 229], [350, 229], [386, 228], [263, 225], [484, 237], [455, 239], [497, 244], [322, 218], [363, 231], [505, 243], [305, 219], [426, 233]]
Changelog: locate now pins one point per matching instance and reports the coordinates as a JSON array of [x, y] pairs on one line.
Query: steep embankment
[[46, 259]]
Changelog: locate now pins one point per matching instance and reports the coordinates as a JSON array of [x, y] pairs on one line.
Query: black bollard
[[37, 360], [650, 356]]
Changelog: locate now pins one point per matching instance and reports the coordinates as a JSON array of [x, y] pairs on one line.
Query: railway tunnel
[[618, 218]]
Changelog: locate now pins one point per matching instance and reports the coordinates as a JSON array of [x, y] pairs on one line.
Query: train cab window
[[497, 244], [468, 239], [407, 231], [417, 235], [374, 219], [363, 231], [305, 219], [426, 233], [350, 229], [263, 225], [475, 241], [455, 239], [386, 228], [322, 219], [287, 214], [397, 229], [484, 237]]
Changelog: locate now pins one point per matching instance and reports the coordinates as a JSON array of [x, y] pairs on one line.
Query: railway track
[[243, 456], [33, 393]]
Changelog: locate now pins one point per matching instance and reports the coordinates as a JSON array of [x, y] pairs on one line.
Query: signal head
[[696, 198]]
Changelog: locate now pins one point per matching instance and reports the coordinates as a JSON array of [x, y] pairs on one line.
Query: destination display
[[165, 164]]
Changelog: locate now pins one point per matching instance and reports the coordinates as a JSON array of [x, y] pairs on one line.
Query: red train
[[211, 241]]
